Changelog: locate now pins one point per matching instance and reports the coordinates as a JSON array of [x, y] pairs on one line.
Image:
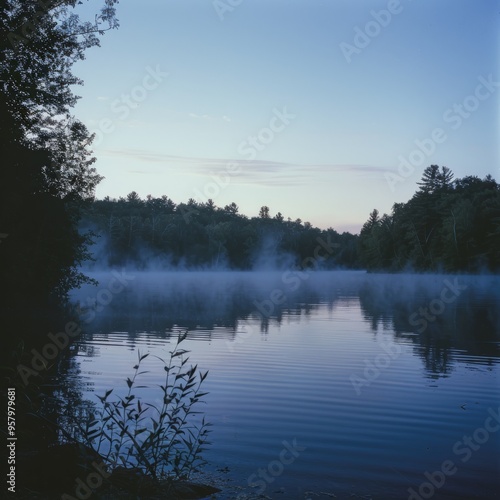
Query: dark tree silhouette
[[202, 234], [447, 225], [47, 168], [264, 212], [434, 179]]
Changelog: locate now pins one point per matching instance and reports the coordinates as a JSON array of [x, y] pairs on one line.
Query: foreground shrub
[[165, 440]]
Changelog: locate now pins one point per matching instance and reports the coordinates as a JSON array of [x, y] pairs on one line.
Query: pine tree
[[434, 179]]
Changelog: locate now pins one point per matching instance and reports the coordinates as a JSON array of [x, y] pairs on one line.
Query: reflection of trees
[[48, 403], [88, 350], [212, 306], [470, 323], [197, 300], [436, 356], [65, 405]]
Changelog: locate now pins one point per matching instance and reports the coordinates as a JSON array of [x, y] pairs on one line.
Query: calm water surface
[[375, 382]]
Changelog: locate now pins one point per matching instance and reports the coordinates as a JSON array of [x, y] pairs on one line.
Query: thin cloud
[[250, 171], [194, 115]]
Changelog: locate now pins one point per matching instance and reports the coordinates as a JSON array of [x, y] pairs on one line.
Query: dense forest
[[448, 225], [157, 232]]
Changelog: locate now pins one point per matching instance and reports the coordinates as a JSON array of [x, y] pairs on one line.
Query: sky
[[320, 109]]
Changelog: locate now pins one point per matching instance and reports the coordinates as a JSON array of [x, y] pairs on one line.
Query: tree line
[[448, 225], [197, 234]]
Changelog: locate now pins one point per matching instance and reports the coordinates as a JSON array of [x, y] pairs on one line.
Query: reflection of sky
[[216, 304], [296, 382], [352, 121]]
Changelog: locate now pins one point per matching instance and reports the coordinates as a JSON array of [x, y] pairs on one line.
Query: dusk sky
[[306, 106]]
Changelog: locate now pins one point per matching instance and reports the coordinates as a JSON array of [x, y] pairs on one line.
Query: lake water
[[321, 385]]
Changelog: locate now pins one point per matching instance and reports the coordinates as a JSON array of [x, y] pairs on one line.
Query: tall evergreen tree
[[446, 225], [433, 179]]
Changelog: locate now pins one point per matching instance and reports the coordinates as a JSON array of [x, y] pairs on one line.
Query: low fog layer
[[419, 304]]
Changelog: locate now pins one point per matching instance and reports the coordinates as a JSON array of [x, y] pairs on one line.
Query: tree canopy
[[447, 225], [159, 232], [47, 170]]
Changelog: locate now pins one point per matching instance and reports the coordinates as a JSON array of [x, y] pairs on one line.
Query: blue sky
[[307, 106]]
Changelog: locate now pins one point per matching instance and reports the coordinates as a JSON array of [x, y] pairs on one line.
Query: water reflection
[[281, 361], [438, 314], [468, 320]]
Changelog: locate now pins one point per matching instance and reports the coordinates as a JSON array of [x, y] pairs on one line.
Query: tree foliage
[[47, 168], [158, 231], [447, 225]]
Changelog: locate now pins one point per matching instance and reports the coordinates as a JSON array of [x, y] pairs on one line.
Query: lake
[[321, 384]]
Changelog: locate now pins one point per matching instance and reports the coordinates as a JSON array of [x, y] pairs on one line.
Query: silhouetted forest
[[156, 231], [448, 225]]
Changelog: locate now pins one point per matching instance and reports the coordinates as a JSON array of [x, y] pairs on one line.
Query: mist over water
[[441, 305], [208, 295], [378, 376]]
